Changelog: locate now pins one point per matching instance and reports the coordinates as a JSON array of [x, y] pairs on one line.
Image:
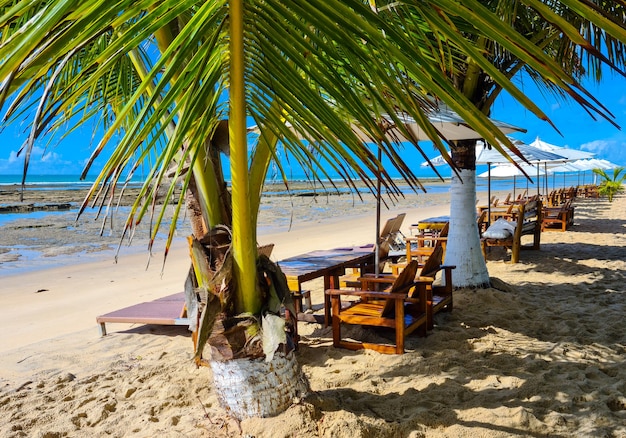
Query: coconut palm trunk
[[463, 248]]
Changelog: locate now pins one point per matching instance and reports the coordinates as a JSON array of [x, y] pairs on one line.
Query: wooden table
[[329, 264], [432, 223]]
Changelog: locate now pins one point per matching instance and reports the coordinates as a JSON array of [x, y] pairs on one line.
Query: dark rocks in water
[[29, 207]]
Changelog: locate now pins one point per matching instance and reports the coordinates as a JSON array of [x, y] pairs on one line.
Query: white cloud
[[42, 161], [13, 157], [613, 150]]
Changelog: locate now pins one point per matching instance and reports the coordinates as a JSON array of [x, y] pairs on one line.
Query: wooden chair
[[388, 239], [392, 235], [402, 308], [439, 296], [422, 247], [558, 218]]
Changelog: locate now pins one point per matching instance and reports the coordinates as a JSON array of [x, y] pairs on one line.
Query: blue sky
[[578, 131]]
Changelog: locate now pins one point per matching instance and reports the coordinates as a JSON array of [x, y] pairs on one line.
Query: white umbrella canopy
[[583, 166], [571, 154], [578, 165], [602, 164], [509, 170], [448, 123], [488, 155]]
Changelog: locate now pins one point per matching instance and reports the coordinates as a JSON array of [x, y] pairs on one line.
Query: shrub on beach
[[610, 186]]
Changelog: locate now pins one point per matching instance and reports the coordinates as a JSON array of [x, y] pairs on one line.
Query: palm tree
[[611, 185], [578, 42], [153, 76]]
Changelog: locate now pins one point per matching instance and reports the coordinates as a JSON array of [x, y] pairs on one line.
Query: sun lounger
[[169, 310]]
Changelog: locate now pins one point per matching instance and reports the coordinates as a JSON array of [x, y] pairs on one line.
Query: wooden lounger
[[169, 310]]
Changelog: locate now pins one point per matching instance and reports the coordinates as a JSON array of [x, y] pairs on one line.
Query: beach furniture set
[[401, 300]]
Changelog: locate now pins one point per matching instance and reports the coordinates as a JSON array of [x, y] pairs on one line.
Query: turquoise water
[[68, 182], [277, 188]]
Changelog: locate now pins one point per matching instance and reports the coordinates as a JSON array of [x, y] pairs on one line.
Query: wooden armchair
[[439, 296], [558, 218], [403, 308]]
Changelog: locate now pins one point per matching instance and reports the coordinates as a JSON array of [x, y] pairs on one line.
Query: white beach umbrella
[[488, 155], [596, 163], [584, 165], [448, 123], [570, 154], [509, 170]]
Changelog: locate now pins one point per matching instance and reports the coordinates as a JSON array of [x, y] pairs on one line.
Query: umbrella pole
[[538, 181], [514, 184], [377, 245], [488, 194]]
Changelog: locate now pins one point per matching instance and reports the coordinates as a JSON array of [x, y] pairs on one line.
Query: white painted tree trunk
[[463, 246], [255, 388]]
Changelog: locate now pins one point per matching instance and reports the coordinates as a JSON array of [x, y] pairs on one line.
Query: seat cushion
[[500, 229]]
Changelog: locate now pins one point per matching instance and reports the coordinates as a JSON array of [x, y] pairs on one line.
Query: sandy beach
[[540, 354]]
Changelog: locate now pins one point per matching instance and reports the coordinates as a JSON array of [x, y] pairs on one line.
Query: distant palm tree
[[579, 44], [610, 185], [154, 76]]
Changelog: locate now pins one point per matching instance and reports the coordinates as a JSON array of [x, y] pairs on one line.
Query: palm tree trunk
[[255, 388], [247, 385], [463, 249]]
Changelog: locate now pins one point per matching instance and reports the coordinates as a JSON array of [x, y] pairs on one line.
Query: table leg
[[331, 281]]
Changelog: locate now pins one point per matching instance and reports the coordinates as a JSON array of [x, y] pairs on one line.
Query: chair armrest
[[365, 294], [425, 238], [382, 280]]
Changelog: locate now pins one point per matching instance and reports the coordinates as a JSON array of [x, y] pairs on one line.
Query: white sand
[[542, 356]]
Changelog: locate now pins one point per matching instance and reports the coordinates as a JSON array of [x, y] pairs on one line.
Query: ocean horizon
[[425, 175]]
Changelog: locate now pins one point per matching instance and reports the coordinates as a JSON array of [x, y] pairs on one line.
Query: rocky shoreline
[[24, 207]]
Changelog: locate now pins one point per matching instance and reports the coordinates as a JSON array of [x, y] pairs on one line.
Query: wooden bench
[[528, 220]]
